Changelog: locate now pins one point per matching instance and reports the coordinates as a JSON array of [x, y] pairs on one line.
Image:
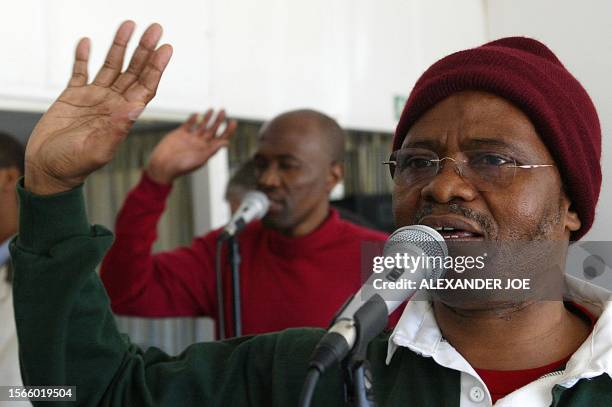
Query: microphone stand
[[219, 287], [254, 205], [358, 384], [347, 342], [370, 320], [234, 260]]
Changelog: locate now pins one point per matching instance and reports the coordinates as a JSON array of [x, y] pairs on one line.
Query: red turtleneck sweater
[[285, 281]]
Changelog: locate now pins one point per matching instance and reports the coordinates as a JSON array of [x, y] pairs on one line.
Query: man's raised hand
[[83, 128], [189, 147]]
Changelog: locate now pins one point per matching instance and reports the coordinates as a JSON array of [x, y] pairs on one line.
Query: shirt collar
[[418, 331]]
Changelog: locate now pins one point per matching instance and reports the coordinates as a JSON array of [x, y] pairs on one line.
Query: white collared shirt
[[418, 331], [10, 374]]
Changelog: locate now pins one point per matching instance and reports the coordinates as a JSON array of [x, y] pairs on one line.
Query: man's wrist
[[42, 185], [158, 176]]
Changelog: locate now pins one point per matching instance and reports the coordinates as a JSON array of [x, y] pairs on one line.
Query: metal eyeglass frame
[[459, 167]]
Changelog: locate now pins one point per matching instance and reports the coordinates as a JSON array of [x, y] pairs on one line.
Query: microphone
[[372, 305], [254, 206]]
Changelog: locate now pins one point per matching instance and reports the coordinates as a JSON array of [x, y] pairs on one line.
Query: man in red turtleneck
[[298, 265]]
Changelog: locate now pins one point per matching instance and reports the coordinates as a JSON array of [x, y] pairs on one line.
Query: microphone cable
[[310, 383]]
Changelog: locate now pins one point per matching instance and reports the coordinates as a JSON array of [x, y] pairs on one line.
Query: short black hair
[[12, 152], [329, 128]]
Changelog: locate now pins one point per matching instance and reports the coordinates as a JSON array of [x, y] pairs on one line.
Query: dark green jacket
[[67, 336]]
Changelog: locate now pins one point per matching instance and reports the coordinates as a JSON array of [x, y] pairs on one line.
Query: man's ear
[[572, 221], [336, 173], [8, 178], [4, 176]]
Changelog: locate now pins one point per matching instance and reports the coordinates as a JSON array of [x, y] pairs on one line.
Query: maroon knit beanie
[[527, 73]]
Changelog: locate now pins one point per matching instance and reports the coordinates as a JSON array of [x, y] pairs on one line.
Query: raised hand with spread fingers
[[82, 129], [189, 147]]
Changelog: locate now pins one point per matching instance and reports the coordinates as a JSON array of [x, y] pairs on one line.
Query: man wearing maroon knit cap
[[525, 141], [496, 145]]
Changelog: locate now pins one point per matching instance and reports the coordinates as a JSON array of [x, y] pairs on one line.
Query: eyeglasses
[[485, 170]]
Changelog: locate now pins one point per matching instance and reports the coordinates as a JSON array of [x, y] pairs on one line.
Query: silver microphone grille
[[259, 200], [430, 242]]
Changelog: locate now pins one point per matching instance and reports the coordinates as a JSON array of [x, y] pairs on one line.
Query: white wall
[[273, 55], [345, 57], [393, 42], [39, 37], [580, 34], [256, 58]]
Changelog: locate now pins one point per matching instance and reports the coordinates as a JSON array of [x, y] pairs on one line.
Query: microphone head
[[425, 239], [257, 202]]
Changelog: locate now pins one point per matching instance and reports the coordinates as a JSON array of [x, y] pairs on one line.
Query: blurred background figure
[[11, 169], [301, 258], [243, 181]]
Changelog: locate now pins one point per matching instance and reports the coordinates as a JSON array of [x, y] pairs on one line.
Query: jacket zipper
[[551, 374]]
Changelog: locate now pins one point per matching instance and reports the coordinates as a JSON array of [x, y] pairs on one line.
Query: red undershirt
[[503, 382]]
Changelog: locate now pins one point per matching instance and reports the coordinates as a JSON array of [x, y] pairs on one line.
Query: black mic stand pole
[[370, 320], [219, 288], [347, 342], [234, 260]]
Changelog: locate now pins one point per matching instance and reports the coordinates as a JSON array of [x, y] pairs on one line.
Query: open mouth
[[275, 205], [454, 228], [450, 233]]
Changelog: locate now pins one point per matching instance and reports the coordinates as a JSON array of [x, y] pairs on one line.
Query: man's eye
[[490, 160], [260, 165], [288, 166], [416, 163]]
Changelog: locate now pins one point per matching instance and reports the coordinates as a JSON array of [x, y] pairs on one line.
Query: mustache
[[272, 193], [484, 221]]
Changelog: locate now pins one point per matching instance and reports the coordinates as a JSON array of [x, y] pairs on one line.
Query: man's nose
[[449, 184], [269, 177]]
